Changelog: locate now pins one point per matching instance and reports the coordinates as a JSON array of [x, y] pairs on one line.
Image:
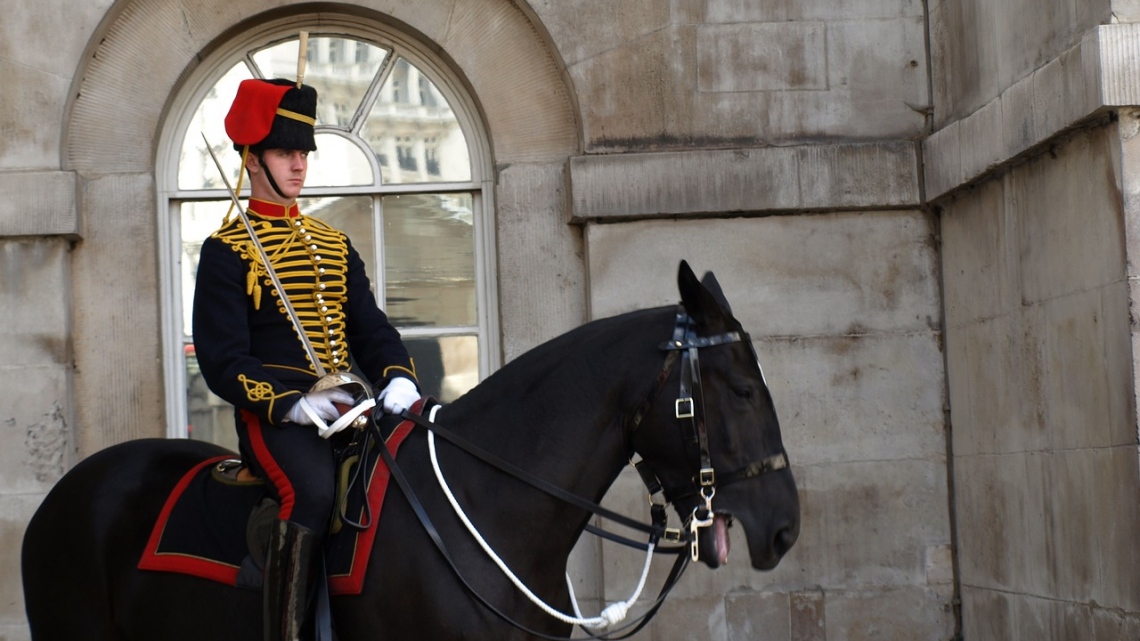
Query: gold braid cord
[[311, 260]]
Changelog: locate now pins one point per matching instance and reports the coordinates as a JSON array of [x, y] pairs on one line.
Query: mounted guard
[[286, 329]]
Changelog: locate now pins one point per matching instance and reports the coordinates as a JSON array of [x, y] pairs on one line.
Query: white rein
[[613, 614]]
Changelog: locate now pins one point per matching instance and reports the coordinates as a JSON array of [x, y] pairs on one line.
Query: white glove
[[398, 396], [321, 404]]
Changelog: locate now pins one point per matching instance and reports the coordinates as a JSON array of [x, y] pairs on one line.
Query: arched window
[[401, 167]]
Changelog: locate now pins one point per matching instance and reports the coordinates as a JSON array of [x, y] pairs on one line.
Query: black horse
[[571, 411]]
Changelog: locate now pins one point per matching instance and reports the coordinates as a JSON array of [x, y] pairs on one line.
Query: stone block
[[28, 27], [987, 614], [942, 161], [979, 256], [521, 89], [939, 565], [1110, 625], [640, 94], [728, 11], [1004, 512], [1019, 131], [15, 632], [1094, 486], [664, 184], [685, 619], [1113, 47], [892, 615], [609, 24], [34, 303], [1080, 405], [38, 203], [997, 394], [538, 299], [1128, 183], [890, 513], [830, 274], [756, 56], [38, 430], [858, 175], [1070, 219], [28, 117], [114, 117], [881, 63], [846, 398], [15, 512], [760, 615], [1060, 93], [115, 306], [1125, 11], [982, 140]]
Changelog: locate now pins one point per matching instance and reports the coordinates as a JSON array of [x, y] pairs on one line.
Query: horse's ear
[[702, 302], [711, 284]]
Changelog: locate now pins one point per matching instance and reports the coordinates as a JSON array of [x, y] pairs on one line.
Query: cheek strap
[[269, 174]]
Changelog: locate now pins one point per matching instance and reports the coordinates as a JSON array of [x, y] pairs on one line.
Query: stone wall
[[1040, 361], [1033, 170], [793, 147], [38, 227]]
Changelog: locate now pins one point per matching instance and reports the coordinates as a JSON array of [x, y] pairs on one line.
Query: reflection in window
[[401, 125], [382, 121]]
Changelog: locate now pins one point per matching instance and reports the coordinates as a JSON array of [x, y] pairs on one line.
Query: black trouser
[[298, 465]]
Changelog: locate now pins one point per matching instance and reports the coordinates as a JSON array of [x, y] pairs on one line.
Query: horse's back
[[89, 531]]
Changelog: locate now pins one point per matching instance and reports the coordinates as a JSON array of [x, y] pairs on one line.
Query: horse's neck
[[559, 413]]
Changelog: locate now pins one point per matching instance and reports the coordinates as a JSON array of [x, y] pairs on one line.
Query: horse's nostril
[[785, 539]]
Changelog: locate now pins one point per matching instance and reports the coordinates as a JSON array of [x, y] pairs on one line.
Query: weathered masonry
[[926, 214]]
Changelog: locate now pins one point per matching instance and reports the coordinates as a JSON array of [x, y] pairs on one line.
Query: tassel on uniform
[[253, 287]]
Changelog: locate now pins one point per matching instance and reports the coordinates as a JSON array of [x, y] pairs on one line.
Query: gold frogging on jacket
[[311, 260]]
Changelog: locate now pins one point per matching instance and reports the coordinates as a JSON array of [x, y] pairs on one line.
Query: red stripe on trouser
[[276, 475]]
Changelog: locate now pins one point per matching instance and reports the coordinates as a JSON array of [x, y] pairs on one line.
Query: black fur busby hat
[[273, 114]]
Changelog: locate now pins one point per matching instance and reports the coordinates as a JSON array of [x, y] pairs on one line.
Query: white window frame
[[180, 112]]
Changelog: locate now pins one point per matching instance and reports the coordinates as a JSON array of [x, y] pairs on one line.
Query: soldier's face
[[288, 167]]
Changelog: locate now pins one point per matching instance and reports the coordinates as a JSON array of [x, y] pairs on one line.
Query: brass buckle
[[707, 476], [688, 403]]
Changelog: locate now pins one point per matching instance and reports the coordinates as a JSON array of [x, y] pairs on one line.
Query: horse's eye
[[744, 393]]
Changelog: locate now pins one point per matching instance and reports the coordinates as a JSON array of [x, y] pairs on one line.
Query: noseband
[[690, 413]]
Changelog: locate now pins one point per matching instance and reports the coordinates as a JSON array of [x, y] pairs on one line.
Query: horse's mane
[[581, 361]]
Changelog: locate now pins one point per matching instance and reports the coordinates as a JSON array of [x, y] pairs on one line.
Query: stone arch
[[119, 97], [138, 60]]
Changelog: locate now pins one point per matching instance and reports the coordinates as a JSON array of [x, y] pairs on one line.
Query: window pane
[[199, 220], [195, 168], [353, 215], [337, 163], [209, 418], [447, 366], [414, 132], [340, 69], [429, 250]]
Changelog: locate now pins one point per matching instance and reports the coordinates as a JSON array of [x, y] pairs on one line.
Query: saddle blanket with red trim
[[201, 530]]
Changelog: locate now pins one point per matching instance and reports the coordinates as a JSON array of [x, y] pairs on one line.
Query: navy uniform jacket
[[249, 353]]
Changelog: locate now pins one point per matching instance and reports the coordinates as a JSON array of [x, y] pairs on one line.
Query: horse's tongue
[[720, 533]]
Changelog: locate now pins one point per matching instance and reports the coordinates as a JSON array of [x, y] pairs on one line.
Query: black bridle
[[689, 411], [685, 347]]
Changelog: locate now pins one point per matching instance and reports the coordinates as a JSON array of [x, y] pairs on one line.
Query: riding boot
[[291, 565]]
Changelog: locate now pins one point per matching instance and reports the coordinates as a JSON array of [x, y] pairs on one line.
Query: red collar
[[269, 209]]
